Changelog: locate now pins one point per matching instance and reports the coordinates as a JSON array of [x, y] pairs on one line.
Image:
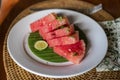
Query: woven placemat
[[14, 72]]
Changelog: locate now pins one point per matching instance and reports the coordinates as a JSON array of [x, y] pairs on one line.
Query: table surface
[[111, 6]]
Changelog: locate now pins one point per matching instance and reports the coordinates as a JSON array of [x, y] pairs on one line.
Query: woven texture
[[14, 72]]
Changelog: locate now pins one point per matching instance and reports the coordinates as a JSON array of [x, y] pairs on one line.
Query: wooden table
[[111, 6]]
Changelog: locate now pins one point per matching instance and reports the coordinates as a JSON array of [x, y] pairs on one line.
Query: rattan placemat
[[14, 72]]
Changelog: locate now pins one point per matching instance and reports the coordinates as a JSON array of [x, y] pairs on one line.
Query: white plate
[[94, 33]]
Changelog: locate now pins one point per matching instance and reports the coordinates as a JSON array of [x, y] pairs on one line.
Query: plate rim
[[52, 76]]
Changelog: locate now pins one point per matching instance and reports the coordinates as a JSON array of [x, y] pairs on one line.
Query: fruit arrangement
[[61, 36]]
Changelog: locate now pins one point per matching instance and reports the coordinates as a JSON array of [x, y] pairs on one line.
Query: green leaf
[[47, 54]]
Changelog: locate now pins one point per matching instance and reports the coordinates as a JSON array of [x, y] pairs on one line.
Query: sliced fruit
[[53, 25], [40, 45], [59, 33], [73, 52], [64, 40], [41, 22], [71, 39]]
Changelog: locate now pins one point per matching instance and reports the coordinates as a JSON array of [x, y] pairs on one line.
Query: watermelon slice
[[59, 33], [73, 52], [53, 25], [37, 24], [64, 40], [71, 39]]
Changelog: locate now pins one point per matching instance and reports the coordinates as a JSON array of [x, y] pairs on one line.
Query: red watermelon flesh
[[53, 25], [71, 39], [64, 40], [73, 52], [59, 33], [39, 23]]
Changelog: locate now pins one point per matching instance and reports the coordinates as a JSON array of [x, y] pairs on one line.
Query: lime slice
[[40, 45]]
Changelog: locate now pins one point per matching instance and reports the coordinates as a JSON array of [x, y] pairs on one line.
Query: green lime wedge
[[40, 45]]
